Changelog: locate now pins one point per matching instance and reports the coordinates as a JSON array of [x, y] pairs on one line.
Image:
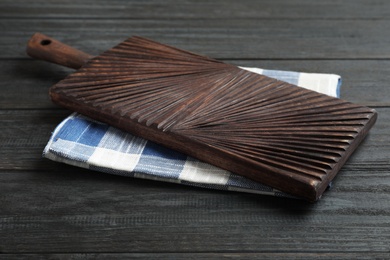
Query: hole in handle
[[45, 42]]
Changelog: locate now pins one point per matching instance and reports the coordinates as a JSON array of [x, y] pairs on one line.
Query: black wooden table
[[51, 210]]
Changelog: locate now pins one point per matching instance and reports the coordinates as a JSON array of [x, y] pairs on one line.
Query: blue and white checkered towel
[[83, 142]]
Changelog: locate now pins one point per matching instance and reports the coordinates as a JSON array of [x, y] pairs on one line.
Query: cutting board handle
[[46, 48]]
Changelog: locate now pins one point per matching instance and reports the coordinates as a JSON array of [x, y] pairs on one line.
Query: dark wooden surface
[[50, 210]]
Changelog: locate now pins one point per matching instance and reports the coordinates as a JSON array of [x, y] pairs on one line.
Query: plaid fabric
[[83, 142]]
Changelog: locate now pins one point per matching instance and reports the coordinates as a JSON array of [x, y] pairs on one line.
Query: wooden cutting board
[[273, 132]]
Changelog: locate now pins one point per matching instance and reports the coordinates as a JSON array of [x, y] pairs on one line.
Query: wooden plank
[[364, 81], [24, 134], [217, 9], [32, 79], [49, 210], [226, 39], [22, 145], [79, 212], [220, 255]]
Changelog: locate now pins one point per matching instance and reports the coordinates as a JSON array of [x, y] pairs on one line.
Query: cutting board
[[270, 131]]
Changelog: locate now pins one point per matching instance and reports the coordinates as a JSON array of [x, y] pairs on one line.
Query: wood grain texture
[[82, 211], [268, 39], [217, 9], [230, 255], [49, 210]]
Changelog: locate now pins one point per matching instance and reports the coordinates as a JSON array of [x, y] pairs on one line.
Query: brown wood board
[[290, 138]]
